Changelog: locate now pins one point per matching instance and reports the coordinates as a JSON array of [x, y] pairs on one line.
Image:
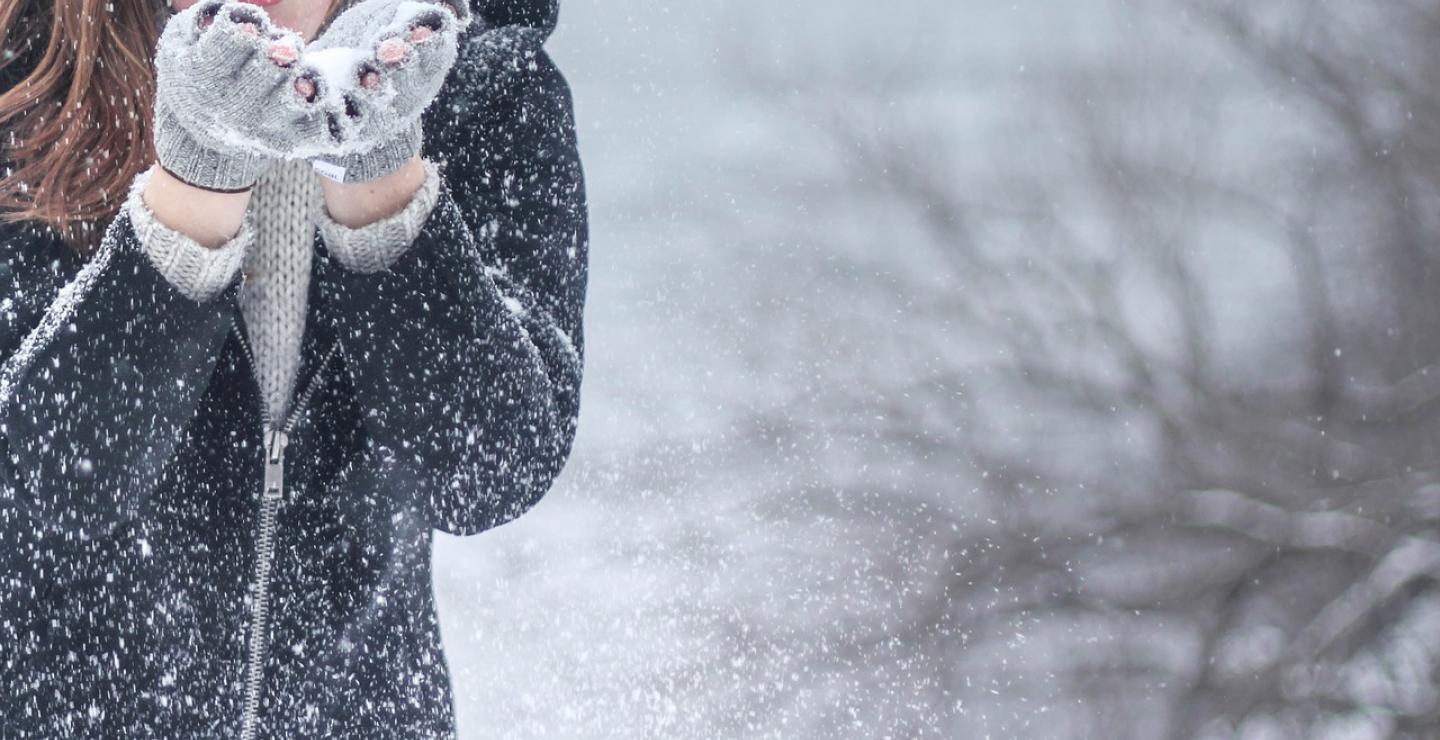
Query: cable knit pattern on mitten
[[375, 247], [199, 272]]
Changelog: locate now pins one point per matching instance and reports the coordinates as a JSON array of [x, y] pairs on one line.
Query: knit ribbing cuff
[[194, 164], [380, 161], [375, 247], [199, 272]]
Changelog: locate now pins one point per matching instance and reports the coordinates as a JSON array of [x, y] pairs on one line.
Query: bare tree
[[1145, 401]]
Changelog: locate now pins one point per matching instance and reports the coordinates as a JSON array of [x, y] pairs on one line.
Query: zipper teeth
[[259, 617], [310, 387], [304, 396], [265, 542]]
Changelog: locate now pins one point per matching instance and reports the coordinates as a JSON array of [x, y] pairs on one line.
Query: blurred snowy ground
[[676, 583], [966, 369]]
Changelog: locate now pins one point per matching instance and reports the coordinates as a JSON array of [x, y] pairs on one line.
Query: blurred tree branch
[[1176, 344]]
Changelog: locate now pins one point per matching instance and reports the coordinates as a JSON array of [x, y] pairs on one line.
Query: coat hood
[[538, 14]]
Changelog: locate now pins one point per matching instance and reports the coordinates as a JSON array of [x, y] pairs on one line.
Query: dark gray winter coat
[[443, 394]]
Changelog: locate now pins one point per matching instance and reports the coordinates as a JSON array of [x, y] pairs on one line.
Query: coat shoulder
[[496, 73], [31, 250]]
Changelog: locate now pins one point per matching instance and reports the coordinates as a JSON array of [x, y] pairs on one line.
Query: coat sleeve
[[466, 352], [104, 364]]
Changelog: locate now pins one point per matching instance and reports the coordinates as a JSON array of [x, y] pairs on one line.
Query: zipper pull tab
[[275, 463]]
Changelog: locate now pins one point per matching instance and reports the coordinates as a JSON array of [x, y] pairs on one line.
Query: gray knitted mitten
[[385, 61], [226, 101]]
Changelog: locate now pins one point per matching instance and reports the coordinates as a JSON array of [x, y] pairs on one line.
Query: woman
[[239, 395]]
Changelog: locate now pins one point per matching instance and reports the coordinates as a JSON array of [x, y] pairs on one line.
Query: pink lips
[[262, 3]]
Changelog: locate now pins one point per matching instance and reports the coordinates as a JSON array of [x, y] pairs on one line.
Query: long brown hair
[[77, 125]]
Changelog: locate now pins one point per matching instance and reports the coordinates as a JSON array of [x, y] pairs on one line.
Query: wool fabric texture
[[223, 109], [386, 119], [274, 247]]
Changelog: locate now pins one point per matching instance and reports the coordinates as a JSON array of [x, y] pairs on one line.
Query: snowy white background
[[970, 369]]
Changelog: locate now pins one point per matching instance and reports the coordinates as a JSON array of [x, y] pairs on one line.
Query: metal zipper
[[271, 496]]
